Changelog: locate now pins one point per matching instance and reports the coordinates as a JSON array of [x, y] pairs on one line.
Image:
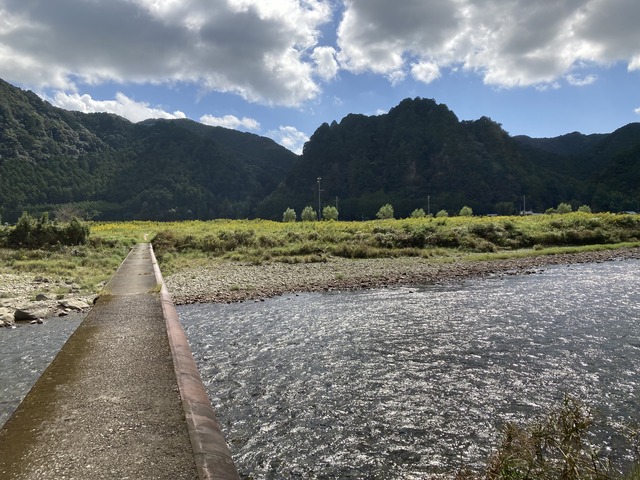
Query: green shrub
[[564, 208], [330, 213], [289, 215], [385, 212], [418, 213], [308, 214], [466, 211], [75, 232], [32, 233]]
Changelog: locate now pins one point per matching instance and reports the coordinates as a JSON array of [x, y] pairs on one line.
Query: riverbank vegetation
[[565, 444], [438, 239], [91, 251]]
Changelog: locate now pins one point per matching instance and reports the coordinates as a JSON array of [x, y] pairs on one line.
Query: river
[[409, 382], [26, 351], [398, 382]]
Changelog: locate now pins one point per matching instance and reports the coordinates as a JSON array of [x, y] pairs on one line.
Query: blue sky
[[283, 67]]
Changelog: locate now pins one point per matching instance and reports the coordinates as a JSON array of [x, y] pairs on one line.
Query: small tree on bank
[[330, 213], [584, 209], [385, 212], [308, 214], [442, 214], [418, 213], [466, 211], [564, 208], [289, 215]]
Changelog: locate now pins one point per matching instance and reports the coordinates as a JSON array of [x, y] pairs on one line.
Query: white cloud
[[425, 72], [121, 105], [290, 138], [274, 52], [231, 121], [580, 81], [396, 77], [259, 50], [637, 110], [326, 64], [509, 42]]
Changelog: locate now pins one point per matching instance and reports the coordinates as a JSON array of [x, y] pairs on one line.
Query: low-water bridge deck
[[122, 399]]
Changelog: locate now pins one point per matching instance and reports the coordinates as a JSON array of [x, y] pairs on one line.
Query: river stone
[[30, 312], [41, 296], [6, 317], [74, 304]]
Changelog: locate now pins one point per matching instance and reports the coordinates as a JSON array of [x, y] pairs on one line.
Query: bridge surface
[[122, 399]]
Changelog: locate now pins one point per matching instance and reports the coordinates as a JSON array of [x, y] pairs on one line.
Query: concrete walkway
[[109, 406]]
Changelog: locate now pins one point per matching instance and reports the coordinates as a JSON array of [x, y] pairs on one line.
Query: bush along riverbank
[[50, 269], [261, 241]]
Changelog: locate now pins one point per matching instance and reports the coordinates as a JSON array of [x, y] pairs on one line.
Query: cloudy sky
[[280, 68]]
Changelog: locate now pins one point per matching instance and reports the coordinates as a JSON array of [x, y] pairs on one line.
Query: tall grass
[[262, 240], [184, 244], [563, 445]]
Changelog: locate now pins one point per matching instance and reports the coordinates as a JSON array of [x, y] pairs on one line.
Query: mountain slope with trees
[[418, 155], [114, 169]]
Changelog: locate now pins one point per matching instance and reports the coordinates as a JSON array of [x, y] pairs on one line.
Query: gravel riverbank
[[233, 282], [30, 298], [226, 281]]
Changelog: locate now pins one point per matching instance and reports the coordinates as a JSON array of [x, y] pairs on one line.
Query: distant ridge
[[418, 155], [112, 168]]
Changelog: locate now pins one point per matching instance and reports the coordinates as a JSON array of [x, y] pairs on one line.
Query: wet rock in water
[[31, 312], [74, 304]]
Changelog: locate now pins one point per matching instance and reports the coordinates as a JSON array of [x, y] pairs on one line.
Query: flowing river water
[[410, 382], [25, 352], [397, 382]]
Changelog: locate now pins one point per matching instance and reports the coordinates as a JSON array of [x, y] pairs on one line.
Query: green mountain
[[114, 169], [418, 155]]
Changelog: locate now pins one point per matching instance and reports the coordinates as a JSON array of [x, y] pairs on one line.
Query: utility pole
[[428, 204]]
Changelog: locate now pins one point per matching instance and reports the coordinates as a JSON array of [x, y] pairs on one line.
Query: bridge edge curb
[[211, 452]]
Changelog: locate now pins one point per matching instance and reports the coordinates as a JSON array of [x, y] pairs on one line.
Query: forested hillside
[[418, 155], [110, 168]]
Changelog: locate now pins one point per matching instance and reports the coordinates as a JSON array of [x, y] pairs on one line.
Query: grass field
[[441, 239], [181, 245]]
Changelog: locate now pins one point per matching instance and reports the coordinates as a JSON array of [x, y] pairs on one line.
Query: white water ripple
[[409, 382]]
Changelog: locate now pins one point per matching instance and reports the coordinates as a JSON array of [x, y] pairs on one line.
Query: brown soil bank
[[231, 282]]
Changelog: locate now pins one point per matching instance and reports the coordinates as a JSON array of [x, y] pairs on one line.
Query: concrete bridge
[[123, 399]]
